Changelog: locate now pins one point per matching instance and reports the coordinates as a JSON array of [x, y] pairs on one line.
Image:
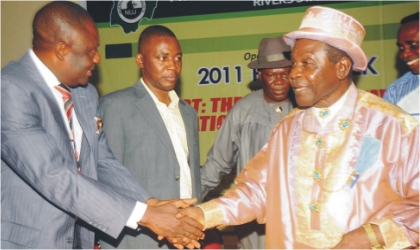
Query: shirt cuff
[[136, 215], [394, 236], [213, 214]]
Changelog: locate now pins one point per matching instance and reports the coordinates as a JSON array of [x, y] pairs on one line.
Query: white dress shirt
[[52, 81], [174, 123]]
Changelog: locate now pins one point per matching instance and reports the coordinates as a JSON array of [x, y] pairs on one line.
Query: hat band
[[271, 58]]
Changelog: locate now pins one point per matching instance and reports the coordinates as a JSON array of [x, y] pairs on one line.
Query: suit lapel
[[85, 109], [34, 74], [150, 112]]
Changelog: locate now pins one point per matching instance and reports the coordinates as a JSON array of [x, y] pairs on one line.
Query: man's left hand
[[358, 239]]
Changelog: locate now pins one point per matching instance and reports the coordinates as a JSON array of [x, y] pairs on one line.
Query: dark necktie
[[68, 109]]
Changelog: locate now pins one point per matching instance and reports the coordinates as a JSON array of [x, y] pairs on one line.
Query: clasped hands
[[174, 219]]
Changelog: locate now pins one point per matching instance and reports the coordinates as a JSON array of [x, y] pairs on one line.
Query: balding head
[[57, 22], [66, 40]]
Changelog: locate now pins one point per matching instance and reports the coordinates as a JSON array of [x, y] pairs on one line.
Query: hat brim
[[270, 65], [353, 50]]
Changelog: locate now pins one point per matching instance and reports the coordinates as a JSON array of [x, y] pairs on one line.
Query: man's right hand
[[192, 212], [162, 221], [188, 212]]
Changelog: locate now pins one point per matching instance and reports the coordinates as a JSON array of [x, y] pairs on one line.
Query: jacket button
[[70, 240], [176, 177]]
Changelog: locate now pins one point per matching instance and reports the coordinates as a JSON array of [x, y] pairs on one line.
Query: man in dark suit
[[59, 179], [152, 131]]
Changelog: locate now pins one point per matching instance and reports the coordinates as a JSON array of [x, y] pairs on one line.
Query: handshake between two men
[[174, 219]]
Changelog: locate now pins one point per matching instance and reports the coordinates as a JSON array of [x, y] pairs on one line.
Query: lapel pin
[[99, 123]]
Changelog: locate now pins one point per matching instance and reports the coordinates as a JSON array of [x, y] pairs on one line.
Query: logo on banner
[[129, 13], [133, 12]]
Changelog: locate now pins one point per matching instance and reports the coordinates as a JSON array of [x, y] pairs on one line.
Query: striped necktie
[[68, 109]]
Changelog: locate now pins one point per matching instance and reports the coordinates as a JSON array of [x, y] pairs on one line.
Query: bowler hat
[[335, 28], [272, 53]]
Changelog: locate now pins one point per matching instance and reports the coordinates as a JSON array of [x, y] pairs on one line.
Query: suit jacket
[[138, 137], [41, 191]]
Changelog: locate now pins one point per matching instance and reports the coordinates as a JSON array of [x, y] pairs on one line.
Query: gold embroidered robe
[[305, 187]]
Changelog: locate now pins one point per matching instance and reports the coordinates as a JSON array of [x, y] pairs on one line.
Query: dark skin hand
[[189, 212], [160, 218], [193, 212], [358, 239], [190, 244]]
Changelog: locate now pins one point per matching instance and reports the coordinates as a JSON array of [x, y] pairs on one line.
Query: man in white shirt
[[152, 131]]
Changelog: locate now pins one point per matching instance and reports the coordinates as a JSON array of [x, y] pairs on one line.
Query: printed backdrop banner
[[220, 38]]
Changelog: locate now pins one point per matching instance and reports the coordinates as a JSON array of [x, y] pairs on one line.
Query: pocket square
[[368, 155]]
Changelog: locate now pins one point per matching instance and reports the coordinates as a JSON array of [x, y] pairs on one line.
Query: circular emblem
[[131, 11]]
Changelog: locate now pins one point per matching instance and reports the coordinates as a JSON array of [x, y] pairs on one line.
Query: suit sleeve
[[110, 169], [112, 173], [244, 202], [35, 156], [222, 157]]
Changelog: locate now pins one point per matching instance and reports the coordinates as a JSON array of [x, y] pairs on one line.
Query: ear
[[259, 75], [139, 60], [61, 50], [343, 68]]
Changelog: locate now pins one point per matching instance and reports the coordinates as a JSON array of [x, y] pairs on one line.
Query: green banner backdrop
[[218, 46]]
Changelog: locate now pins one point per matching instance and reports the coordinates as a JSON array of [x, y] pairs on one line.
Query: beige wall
[[16, 28]]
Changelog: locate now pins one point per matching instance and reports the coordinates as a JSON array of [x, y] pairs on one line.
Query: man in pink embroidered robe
[[343, 161]]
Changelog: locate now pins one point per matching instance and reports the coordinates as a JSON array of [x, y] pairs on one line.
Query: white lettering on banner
[[211, 113], [130, 12], [277, 2]]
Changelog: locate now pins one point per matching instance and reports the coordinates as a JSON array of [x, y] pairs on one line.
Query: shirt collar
[[45, 72], [333, 109], [411, 76], [172, 96]]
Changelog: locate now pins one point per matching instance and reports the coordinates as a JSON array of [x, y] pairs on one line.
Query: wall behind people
[[218, 39], [16, 28]]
